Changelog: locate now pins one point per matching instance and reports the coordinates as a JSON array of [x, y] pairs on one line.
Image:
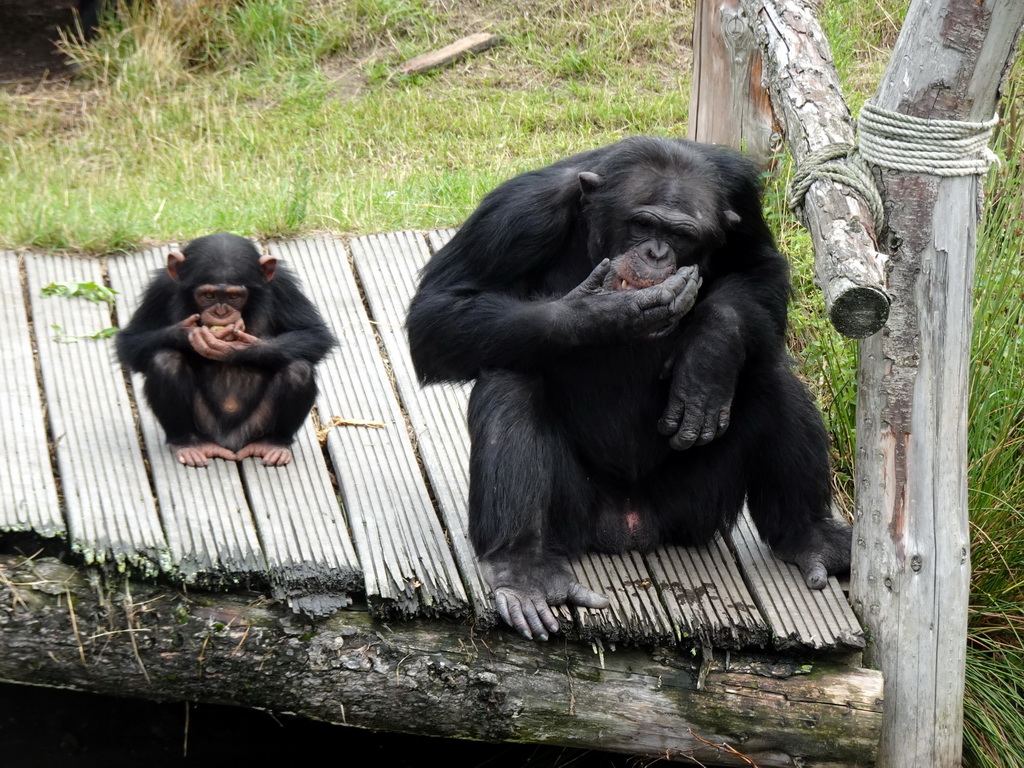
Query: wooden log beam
[[808, 101], [73, 629], [911, 570]]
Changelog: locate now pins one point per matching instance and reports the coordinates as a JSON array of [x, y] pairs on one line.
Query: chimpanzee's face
[[220, 304], [652, 222]]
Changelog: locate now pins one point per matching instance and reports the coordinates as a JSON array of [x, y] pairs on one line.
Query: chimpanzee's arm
[[482, 300], [311, 344], [739, 323], [155, 326]]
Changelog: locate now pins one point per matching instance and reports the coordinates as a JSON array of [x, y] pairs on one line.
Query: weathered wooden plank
[[388, 268], [205, 515], [800, 617], [407, 562], [437, 238], [634, 614], [28, 493], [110, 508], [310, 557], [433, 678], [706, 596], [693, 595]]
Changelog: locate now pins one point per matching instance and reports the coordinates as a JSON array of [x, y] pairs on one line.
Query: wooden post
[[911, 570], [728, 105]]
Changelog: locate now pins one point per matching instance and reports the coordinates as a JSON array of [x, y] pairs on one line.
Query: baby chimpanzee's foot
[[273, 455], [197, 454]]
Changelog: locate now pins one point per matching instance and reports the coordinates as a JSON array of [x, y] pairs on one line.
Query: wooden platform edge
[[63, 627]]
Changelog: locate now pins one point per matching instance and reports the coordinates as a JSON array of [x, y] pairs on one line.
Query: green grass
[[282, 116], [861, 33], [274, 117]]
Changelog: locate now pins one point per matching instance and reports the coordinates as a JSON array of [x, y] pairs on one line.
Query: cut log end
[[860, 312]]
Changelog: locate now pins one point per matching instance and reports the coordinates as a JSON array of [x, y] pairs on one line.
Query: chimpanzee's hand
[[525, 591], [594, 313], [242, 339], [703, 383], [220, 343], [212, 344], [206, 342], [188, 323], [594, 283]]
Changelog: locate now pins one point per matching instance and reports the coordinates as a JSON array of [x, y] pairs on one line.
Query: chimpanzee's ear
[[174, 260], [268, 264], [589, 182], [731, 217]]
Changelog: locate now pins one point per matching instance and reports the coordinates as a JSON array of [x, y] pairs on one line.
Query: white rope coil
[[920, 145]]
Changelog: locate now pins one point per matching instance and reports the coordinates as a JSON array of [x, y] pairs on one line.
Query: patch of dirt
[[346, 77], [29, 31]]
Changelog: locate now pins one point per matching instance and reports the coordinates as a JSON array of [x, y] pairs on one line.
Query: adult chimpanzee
[[228, 343], [623, 312]]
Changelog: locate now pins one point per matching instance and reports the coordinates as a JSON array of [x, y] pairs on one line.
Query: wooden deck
[[374, 503]]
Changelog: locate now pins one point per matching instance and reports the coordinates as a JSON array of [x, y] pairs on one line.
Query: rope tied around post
[[922, 145], [899, 142]]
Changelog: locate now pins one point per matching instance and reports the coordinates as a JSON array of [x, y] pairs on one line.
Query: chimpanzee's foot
[[273, 455], [196, 455], [524, 592], [825, 551]]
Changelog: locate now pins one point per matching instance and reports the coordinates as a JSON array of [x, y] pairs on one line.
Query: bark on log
[[728, 104], [911, 570], [809, 104], [72, 629]]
